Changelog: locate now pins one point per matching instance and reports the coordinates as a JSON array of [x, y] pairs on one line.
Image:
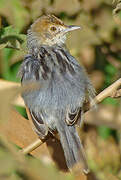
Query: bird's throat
[[35, 42]]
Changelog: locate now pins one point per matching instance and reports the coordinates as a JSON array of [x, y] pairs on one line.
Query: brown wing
[[37, 124], [72, 117]]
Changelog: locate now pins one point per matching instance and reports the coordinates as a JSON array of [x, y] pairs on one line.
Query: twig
[[108, 92], [105, 93], [116, 94], [32, 146]]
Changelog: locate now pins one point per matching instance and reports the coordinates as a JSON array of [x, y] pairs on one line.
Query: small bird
[[58, 104]]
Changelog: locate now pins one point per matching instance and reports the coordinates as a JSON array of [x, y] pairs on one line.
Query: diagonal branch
[[109, 91]]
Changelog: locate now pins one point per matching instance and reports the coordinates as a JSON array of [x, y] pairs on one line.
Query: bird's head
[[49, 30]]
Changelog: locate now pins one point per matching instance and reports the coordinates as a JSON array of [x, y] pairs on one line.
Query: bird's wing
[[29, 69], [72, 117], [37, 123]]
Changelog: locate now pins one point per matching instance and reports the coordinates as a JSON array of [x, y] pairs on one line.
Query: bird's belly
[[59, 96], [53, 101]]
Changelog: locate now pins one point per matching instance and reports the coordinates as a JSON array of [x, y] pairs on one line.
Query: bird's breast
[[54, 60], [60, 80]]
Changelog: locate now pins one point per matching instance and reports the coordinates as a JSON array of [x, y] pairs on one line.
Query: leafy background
[[97, 47]]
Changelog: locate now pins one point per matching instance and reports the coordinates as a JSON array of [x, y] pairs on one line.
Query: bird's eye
[[53, 28]]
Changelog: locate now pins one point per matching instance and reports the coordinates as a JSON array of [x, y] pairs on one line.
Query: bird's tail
[[73, 149]]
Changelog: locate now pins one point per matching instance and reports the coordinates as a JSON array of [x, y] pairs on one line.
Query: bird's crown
[[49, 30], [43, 24]]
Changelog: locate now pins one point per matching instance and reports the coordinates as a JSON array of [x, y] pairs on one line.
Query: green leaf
[[104, 132], [15, 12], [3, 45], [22, 111], [110, 69], [6, 54], [111, 101], [10, 37]]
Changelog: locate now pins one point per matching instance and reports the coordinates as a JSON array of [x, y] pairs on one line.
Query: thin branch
[[100, 97], [116, 94], [32, 146], [108, 91]]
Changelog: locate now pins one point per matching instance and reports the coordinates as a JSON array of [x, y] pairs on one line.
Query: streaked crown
[[49, 30]]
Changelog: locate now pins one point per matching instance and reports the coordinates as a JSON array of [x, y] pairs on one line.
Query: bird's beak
[[71, 28]]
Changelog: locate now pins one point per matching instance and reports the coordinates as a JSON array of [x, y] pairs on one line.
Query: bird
[[64, 86]]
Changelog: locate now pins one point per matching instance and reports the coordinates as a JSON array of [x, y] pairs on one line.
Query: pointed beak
[[71, 28]]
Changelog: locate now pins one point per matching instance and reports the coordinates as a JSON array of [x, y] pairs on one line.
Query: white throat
[[34, 42], [56, 40]]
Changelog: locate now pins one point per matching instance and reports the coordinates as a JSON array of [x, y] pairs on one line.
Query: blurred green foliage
[[97, 46]]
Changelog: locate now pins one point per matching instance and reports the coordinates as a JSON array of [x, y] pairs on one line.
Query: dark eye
[[53, 28]]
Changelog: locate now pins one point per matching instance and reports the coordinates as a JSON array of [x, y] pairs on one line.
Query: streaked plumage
[[64, 86]]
